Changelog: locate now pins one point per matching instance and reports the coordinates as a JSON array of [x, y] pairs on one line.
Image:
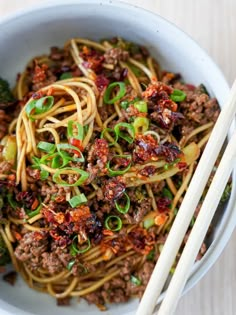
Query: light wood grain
[[212, 23]]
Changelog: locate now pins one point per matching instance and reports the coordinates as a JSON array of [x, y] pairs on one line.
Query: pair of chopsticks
[[185, 213]]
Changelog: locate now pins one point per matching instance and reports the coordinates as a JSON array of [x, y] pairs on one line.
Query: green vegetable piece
[[75, 130], [70, 265], [178, 96], [149, 222], [65, 75], [113, 223], [141, 106], [226, 193], [167, 193], [129, 136], [115, 171], [109, 90], [151, 255], [6, 96], [39, 106], [74, 246], [58, 180], [77, 200], [46, 147], [10, 150], [135, 280], [141, 124], [123, 208]]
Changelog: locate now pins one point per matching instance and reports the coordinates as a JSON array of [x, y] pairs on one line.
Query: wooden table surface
[[212, 24]]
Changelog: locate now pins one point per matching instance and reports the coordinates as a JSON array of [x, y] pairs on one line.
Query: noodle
[[101, 163]]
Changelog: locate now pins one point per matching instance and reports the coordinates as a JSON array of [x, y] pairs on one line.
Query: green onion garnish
[[74, 247], [109, 89], [167, 193], [104, 133], [35, 212], [75, 130], [65, 155], [129, 136], [141, 106], [46, 146], [39, 106], [151, 255], [123, 209], [70, 265], [115, 171], [135, 280], [149, 222], [58, 180], [77, 200], [113, 223], [124, 104], [141, 124], [65, 75], [11, 201], [44, 174], [178, 96]]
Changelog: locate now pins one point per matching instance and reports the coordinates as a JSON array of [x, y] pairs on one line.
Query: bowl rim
[[229, 222]]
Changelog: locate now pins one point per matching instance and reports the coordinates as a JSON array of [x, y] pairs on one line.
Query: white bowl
[[31, 32]]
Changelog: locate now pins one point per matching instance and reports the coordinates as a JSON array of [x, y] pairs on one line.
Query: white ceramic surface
[[32, 32]]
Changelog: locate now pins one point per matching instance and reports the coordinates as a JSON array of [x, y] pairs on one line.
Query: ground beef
[[141, 209], [114, 55], [198, 108], [5, 167], [51, 263], [64, 301], [31, 247]]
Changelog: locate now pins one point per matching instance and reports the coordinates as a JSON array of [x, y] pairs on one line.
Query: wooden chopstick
[[188, 206], [199, 230]]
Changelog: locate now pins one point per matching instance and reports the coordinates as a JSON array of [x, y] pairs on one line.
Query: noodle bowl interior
[[98, 146]]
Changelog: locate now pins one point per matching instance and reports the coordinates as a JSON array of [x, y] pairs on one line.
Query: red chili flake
[[17, 235], [155, 90], [80, 213], [101, 82], [145, 148], [148, 171], [113, 188], [77, 143], [92, 59], [182, 165], [169, 151], [141, 241]]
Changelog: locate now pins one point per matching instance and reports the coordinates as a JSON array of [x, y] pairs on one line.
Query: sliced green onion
[[44, 174], [70, 265], [104, 132], [124, 104], [56, 161], [46, 146], [39, 106], [35, 212], [75, 248], [123, 209], [75, 130], [167, 193], [77, 200], [125, 136], [65, 75], [178, 96], [114, 172], [11, 201], [113, 223], [67, 146], [141, 124], [135, 280], [109, 89], [149, 222], [58, 180], [151, 255], [141, 106]]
